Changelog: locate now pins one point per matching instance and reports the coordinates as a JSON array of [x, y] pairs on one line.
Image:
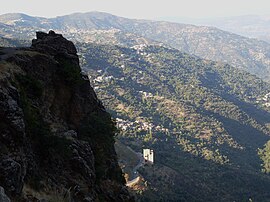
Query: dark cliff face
[[56, 139]]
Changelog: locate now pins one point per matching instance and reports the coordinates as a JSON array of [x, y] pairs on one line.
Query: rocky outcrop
[[56, 139], [53, 44], [3, 196]]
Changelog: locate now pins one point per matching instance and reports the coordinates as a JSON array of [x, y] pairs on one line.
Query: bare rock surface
[[55, 136]]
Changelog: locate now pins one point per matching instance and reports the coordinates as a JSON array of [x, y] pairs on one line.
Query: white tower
[[148, 155]]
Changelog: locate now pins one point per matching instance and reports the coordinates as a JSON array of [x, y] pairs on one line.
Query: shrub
[[70, 72], [37, 130], [30, 85]]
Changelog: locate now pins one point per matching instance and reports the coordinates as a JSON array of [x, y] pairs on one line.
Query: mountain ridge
[[254, 26], [205, 42]]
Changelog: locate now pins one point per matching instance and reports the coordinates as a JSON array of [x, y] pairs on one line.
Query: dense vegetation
[[202, 118], [265, 157]]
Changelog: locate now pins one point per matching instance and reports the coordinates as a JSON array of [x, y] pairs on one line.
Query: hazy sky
[[139, 8]]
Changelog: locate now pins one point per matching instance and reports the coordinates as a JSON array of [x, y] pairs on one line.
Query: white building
[[148, 155]]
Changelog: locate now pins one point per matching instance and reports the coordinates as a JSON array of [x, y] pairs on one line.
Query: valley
[[185, 108], [198, 96]]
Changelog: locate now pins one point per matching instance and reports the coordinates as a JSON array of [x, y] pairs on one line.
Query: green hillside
[[205, 120]]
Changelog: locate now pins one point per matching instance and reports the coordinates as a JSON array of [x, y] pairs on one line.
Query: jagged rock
[[88, 199], [53, 44], [9, 108], [3, 196], [83, 160], [11, 175], [12, 139], [41, 35], [54, 132], [71, 134]]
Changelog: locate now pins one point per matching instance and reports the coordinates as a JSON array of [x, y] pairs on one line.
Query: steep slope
[[213, 44], [206, 42], [56, 139], [205, 120]]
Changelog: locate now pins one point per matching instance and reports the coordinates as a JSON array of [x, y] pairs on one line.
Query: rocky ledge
[[56, 139]]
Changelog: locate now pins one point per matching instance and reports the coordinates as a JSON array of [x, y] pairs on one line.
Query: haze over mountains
[[253, 26], [197, 95], [206, 42]]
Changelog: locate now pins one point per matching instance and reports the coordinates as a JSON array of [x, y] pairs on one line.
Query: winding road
[[135, 174]]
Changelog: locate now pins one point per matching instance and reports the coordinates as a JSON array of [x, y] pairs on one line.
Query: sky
[[147, 9]]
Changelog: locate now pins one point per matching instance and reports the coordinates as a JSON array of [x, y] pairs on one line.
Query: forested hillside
[[205, 120]]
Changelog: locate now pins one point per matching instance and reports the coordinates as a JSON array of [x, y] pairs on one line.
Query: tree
[[265, 157]]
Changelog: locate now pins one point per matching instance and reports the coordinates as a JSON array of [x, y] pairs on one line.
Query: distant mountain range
[[206, 42], [253, 26]]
